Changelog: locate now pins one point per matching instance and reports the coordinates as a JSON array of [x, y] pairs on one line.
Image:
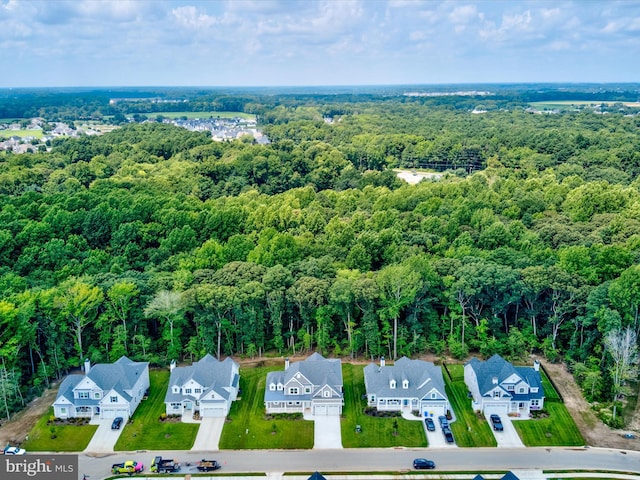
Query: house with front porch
[[208, 387], [313, 385], [106, 390], [497, 386], [413, 385]]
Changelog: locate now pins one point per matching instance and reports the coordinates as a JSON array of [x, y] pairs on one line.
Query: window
[[307, 389], [293, 391], [113, 399], [83, 395], [176, 406], [511, 388], [433, 395], [535, 402], [326, 393], [405, 384], [280, 387], [392, 384], [176, 389], [63, 410], [272, 387], [496, 394], [198, 390], [187, 391], [533, 389], [521, 390], [96, 395], [373, 398]]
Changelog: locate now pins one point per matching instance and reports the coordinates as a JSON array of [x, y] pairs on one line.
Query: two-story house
[[498, 387], [107, 390], [413, 385], [313, 385], [208, 386]]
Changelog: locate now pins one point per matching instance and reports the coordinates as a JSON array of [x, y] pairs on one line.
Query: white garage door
[[499, 409], [113, 413], [209, 412], [326, 410]]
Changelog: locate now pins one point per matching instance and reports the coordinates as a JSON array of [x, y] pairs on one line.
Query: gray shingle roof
[[498, 367], [315, 368], [209, 372], [120, 376], [422, 376]]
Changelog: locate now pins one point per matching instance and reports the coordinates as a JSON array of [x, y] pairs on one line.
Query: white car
[[14, 451]]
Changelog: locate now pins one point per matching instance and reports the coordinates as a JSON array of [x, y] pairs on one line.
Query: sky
[[306, 43]]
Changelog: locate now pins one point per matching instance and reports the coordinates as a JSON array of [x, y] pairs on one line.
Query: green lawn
[[376, 432], [21, 133], [145, 431], [191, 115], [557, 429], [69, 438], [469, 430], [247, 426]]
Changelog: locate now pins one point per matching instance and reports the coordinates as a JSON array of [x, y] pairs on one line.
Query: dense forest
[[157, 243]]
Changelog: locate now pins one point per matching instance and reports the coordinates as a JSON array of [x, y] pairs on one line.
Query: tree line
[[156, 243]]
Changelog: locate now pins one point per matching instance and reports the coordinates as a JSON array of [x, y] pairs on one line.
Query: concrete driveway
[[326, 431], [209, 433], [104, 439], [508, 438]]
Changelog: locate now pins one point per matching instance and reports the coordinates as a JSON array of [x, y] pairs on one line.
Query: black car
[[448, 435], [423, 464], [496, 422], [430, 425], [117, 422]]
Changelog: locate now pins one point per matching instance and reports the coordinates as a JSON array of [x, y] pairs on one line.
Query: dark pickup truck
[[208, 465], [164, 465]]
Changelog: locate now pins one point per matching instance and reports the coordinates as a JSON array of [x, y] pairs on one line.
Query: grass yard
[[21, 133], [145, 431], [557, 429], [69, 438], [376, 432], [247, 426], [191, 115], [468, 430]]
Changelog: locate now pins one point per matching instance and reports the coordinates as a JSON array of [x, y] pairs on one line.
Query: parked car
[[208, 465], [423, 464], [496, 422], [448, 435], [130, 467], [443, 421], [9, 450], [431, 426], [117, 422]]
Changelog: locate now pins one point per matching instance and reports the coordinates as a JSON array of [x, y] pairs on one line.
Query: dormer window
[[175, 389], [272, 387], [405, 384], [392, 384], [280, 387]]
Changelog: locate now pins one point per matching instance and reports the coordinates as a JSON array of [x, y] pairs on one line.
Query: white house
[[313, 385], [106, 390], [208, 386], [498, 387], [413, 385]]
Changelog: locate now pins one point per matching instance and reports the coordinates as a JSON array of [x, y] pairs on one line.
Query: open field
[[191, 115], [20, 133]]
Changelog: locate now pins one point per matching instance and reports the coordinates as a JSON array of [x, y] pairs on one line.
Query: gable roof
[[208, 372], [422, 376], [119, 376], [317, 476], [498, 367], [317, 369]]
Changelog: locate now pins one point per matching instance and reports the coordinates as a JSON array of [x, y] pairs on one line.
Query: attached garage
[[324, 409], [208, 412], [500, 408], [113, 413]]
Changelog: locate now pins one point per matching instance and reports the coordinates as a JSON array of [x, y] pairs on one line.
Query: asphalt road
[[362, 460]]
